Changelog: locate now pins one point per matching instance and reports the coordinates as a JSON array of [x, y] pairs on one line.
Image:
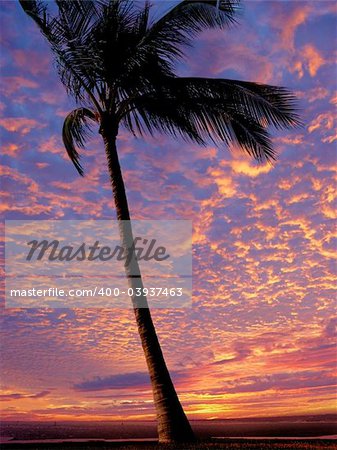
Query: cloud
[[37, 63], [324, 121], [118, 381], [324, 124], [20, 125], [245, 167], [223, 181], [313, 60], [281, 381], [331, 328], [17, 396], [289, 21], [11, 149], [241, 350], [10, 85], [137, 380]]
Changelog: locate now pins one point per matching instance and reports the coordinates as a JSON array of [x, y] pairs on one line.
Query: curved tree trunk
[[173, 425]]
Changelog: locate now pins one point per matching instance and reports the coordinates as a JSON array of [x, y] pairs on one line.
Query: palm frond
[[115, 40], [266, 104], [75, 131], [110, 54], [199, 125], [72, 60], [38, 11], [179, 25], [251, 137], [194, 16], [79, 15], [147, 115], [222, 111]]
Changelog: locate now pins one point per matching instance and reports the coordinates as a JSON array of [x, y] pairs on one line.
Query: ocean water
[[38, 432]]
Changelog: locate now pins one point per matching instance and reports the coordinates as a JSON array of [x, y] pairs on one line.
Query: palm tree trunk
[[173, 425]]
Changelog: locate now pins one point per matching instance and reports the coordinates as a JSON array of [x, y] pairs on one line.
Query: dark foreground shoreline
[[225, 444]]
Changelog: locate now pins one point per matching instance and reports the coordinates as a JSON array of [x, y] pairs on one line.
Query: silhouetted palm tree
[[118, 64]]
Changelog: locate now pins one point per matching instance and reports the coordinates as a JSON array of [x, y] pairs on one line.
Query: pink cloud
[[287, 20], [36, 63], [11, 149], [9, 85], [20, 125]]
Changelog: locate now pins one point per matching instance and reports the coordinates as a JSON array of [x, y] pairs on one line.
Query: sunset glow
[[260, 337]]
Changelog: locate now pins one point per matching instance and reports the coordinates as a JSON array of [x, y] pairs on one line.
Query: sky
[[259, 339]]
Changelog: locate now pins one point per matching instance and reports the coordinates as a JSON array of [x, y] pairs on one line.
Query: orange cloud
[[224, 182], [10, 149], [246, 168], [313, 59], [322, 121], [309, 59]]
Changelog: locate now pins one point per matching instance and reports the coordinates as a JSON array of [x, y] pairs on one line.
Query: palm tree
[[118, 64]]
